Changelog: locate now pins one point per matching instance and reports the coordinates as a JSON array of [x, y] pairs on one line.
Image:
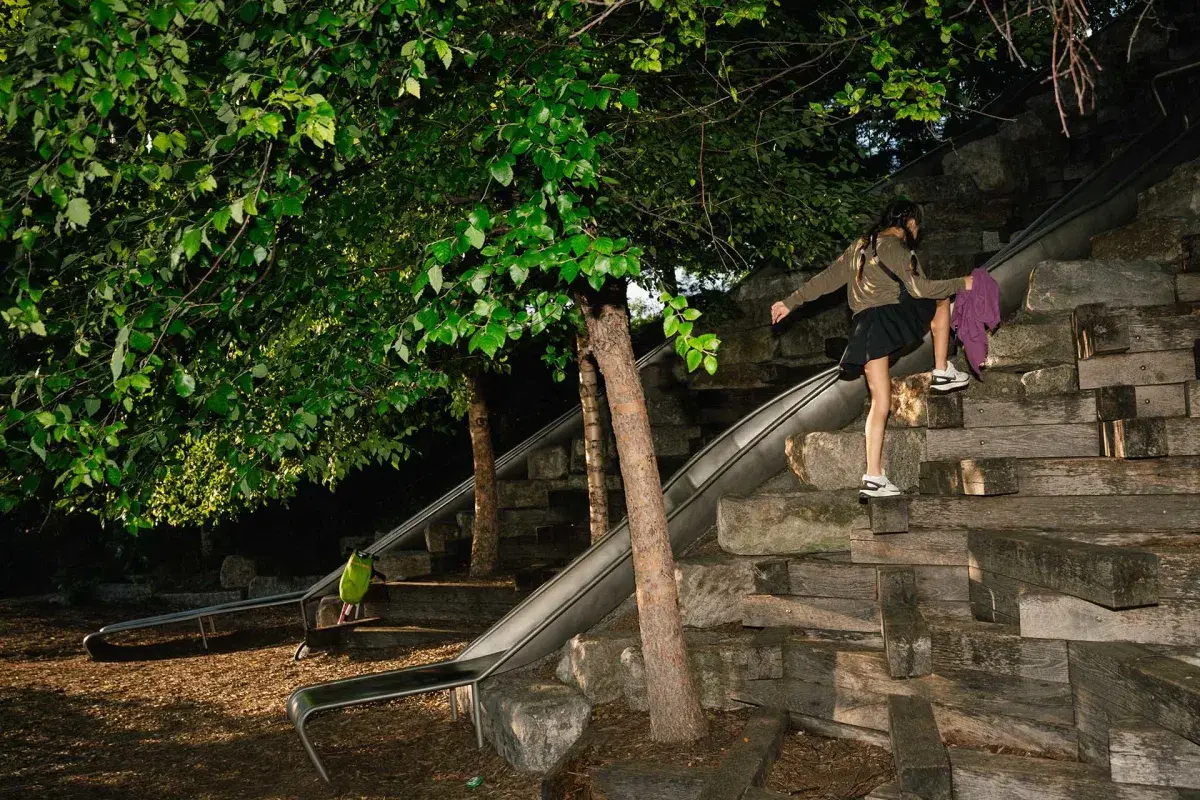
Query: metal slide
[[747, 455], [509, 465]]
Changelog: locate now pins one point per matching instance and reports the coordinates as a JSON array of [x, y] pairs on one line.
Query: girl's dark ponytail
[[896, 215]]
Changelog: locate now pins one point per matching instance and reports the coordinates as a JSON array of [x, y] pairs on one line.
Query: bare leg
[[345, 610], [940, 326], [880, 384]]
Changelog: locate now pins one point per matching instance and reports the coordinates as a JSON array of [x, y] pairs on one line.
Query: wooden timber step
[[1082, 514], [819, 577], [1049, 615], [1103, 476], [375, 636], [987, 776], [1129, 402], [1187, 287], [997, 649], [637, 780], [441, 601], [1073, 440], [922, 762], [1114, 681], [1113, 577], [749, 759], [1060, 409], [1150, 438], [1104, 330], [1138, 369], [906, 638], [1142, 752], [824, 613], [849, 686]]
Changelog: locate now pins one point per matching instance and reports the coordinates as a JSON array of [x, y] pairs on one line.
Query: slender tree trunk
[[675, 713], [593, 439], [485, 534]]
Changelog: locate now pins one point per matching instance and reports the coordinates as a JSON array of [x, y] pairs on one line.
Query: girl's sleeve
[[833, 277], [896, 257]]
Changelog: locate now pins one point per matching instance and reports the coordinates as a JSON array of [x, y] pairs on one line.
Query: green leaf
[[79, 212], [503, 173], [629, 99], [191, 242], [670, 324], [710, 365], [140, 341], [91, 405], [259, 371], [435, 279], [609, 79], [691, 314], [475, 237], [694, 357], [117, 362], [185, 384], [103, 101], [46, 419], [412, 86]]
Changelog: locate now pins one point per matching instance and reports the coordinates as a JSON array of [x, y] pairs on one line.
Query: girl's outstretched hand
[[778, 312]]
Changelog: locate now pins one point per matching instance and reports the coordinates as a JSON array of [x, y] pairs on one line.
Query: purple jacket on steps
[[975, 313]]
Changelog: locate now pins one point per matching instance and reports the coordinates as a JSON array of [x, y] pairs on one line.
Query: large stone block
[[1150, 239], [348, 543], [122, 592], [720, 663], [946, 189], [909, 401], [329, 608], [830, 460], [1177, 196], [237, 572], [1062, 379], [669, 409], [747, 346], [1061, 286], [579, 456], [804, 337], [993, 163], [199, 599], [995, 386], [405, 564], [711, 589], [549, 463], [591, 662], [437, 534], [524, 494], [755, 294], [674, 440], [532, 723], [778, 524], [1028, 346]]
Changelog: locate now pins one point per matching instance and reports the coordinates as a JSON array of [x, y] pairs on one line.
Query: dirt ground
[[179, 723]]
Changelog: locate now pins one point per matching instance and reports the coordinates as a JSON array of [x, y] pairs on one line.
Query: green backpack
[[356, 577]]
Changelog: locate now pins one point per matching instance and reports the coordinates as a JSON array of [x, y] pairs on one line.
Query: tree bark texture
[[485, 533], [593, 439], [675, 713]]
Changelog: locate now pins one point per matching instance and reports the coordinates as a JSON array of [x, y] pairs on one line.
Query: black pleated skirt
[[886, 331]]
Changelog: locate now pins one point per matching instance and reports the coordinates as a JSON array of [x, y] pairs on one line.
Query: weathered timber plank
[[1142, 752], [1060, 409], [1116, 402], [819, 578], [1183, 436], [1025, 441], [635, 780], [1095, 476], [839, 730], [1134, 438], [941, 584], [997, 649], [944, 411], [986, 776], [1124, 680], [1193, 398], [975, 728], [1097, 331], [1113, 577], [888, 514], [1159, 513], [922, 763], [1046, 615], [969, 477], [1093, 717], [831, 613], [1137, 369], [906, 641], [922, 547], [897, 585], [1167, 400], [863, 709], [771, 576], [1154, 328], [749, 759], [995, 598], [1178, 572]]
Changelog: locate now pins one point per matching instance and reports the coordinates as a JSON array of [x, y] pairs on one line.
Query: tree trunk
[[675, 714], [593, 440], [485, 534]]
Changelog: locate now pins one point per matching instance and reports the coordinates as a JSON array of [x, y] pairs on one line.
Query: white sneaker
[[877, 486], [949, 379]]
